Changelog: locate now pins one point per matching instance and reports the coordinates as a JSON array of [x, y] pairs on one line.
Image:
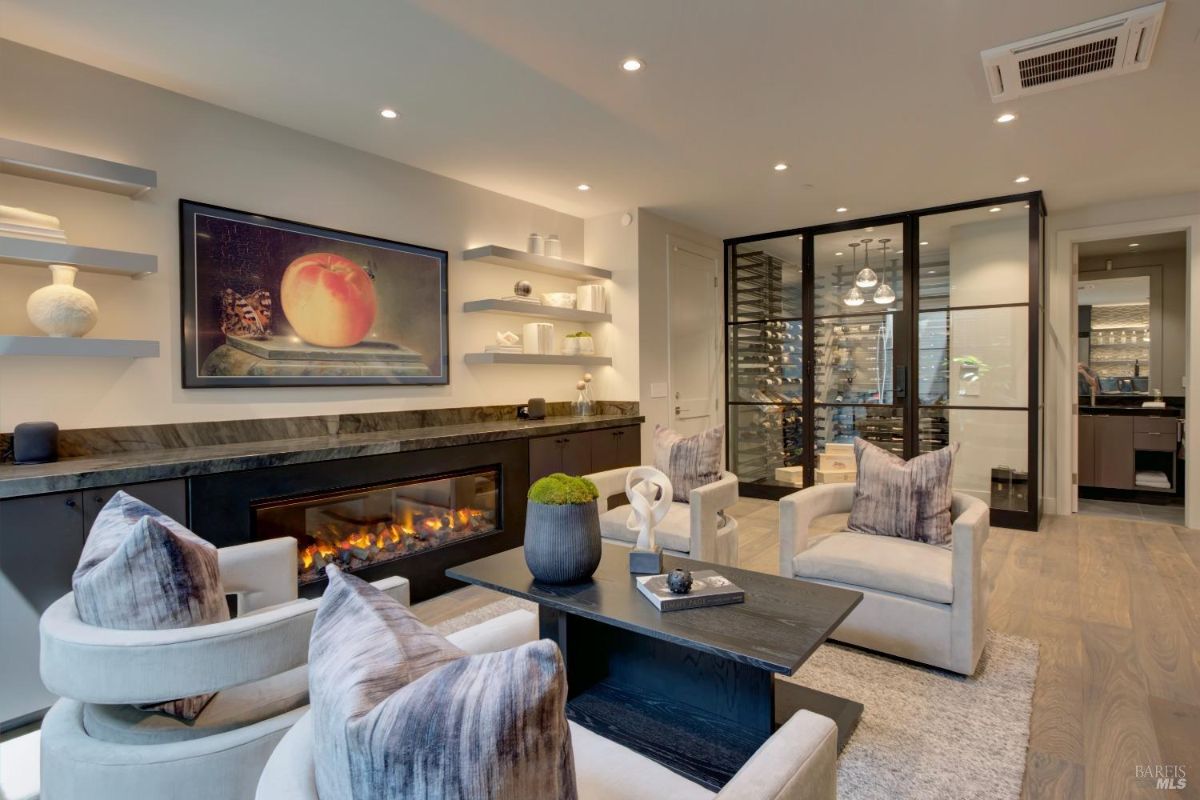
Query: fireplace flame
[[336, 545]]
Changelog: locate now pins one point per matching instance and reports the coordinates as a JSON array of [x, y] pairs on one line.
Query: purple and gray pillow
[[688, 461], [141, 570], [399, 712], [908, 499]]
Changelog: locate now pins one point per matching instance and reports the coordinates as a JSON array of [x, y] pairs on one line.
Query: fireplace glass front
[[362, 528]]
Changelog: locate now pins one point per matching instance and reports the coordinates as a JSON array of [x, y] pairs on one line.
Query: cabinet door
[[1114, 452], [41, 539], [169, 497], [545, 456], [1087, 450], [615, 447], [577, 454]]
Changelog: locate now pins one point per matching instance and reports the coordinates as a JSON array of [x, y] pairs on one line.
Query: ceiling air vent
[[1098, 49]]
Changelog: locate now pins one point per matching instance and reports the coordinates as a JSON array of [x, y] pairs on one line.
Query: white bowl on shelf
[[559, 299]]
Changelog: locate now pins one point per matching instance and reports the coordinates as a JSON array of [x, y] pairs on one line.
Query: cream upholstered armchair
[[97, 744], [798, 762], [698, 529], [921, 602]]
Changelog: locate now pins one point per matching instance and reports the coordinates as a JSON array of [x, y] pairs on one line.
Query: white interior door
[[695, 325]]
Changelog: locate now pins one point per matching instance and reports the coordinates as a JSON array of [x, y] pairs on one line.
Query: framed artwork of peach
[[270, 302]]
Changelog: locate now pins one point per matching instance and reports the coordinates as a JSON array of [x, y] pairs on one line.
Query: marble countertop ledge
[[164, 464]]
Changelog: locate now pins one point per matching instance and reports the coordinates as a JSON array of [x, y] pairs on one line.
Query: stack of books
[[708, 589]]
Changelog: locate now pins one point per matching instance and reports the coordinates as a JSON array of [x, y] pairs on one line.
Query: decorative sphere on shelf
[[679, 581], [522, 288]]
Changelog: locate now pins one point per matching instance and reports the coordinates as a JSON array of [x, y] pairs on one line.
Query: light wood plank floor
[[1115, 605]]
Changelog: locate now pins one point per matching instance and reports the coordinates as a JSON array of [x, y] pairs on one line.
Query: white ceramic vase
[[61, 309]]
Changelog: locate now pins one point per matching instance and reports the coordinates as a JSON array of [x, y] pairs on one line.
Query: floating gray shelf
[[507, 257], [534, 310], [60, 166], [82, 348], [527, 358], [36, 253]]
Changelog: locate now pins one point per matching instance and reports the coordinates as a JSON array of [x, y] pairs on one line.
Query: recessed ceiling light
[[841, 209], [1021, 179], [583, 187], [1134, 244], [780, 167], [1006, 117], [388, 113], [924, 243], [632, 64], [994, 209]]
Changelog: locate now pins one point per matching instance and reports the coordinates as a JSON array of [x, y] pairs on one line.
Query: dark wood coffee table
[[693, 690]]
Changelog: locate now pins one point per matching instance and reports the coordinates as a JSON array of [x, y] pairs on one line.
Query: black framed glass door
[[913, 331]]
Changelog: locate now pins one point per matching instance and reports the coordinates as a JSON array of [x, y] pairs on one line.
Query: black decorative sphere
[[523, 288], [679, 581]]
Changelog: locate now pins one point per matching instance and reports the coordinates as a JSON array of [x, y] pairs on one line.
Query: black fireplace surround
[[226, 509]]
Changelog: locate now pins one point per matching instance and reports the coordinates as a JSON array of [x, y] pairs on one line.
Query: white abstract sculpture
[[649, 493]]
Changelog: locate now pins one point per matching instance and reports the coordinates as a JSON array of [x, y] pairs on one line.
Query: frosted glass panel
[[974, 257], [976, 357], [993, 456]]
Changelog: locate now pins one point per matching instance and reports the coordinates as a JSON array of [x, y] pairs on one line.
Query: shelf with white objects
[[530, 358], [60, 166], [80, 348], [525, 309], [546, 265], [37, 253]]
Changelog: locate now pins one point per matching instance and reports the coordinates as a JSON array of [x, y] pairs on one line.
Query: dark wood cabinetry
[[41, 539], [581, 453], [1113, 447]]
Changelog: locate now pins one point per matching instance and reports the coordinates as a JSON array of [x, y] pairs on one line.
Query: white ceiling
[[1151, 243], [876, 106]]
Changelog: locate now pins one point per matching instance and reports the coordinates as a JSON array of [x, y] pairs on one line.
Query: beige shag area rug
[[931, 734], [925, 734]]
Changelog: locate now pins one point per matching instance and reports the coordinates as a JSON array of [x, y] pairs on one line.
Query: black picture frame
[[236, 331]]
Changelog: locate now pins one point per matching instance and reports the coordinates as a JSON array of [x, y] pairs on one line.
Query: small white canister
[[591, 297], [538, 338], [536, 245], [553, 246]]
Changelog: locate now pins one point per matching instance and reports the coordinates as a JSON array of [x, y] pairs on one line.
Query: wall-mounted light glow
[[1021, 179], [841, 209], [780, 167], [388, 113], [583, 187], [632, 64], [1005, 118]]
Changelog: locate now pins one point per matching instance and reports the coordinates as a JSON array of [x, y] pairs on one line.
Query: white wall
[[654, 232], [610, 244], [206, 153], [1061, 335]]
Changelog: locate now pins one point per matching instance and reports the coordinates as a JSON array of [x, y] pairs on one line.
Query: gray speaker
[[35, 443]]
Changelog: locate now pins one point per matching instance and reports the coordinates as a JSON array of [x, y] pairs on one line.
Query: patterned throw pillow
[[909, 499], [142, 570], [400, 713], [689, 461]]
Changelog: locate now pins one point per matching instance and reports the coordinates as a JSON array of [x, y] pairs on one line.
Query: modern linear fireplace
[[366, 527], [413, 514]]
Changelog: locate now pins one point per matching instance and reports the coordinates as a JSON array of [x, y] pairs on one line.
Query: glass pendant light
[[854, 297], [884, 294], [867, 277]]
